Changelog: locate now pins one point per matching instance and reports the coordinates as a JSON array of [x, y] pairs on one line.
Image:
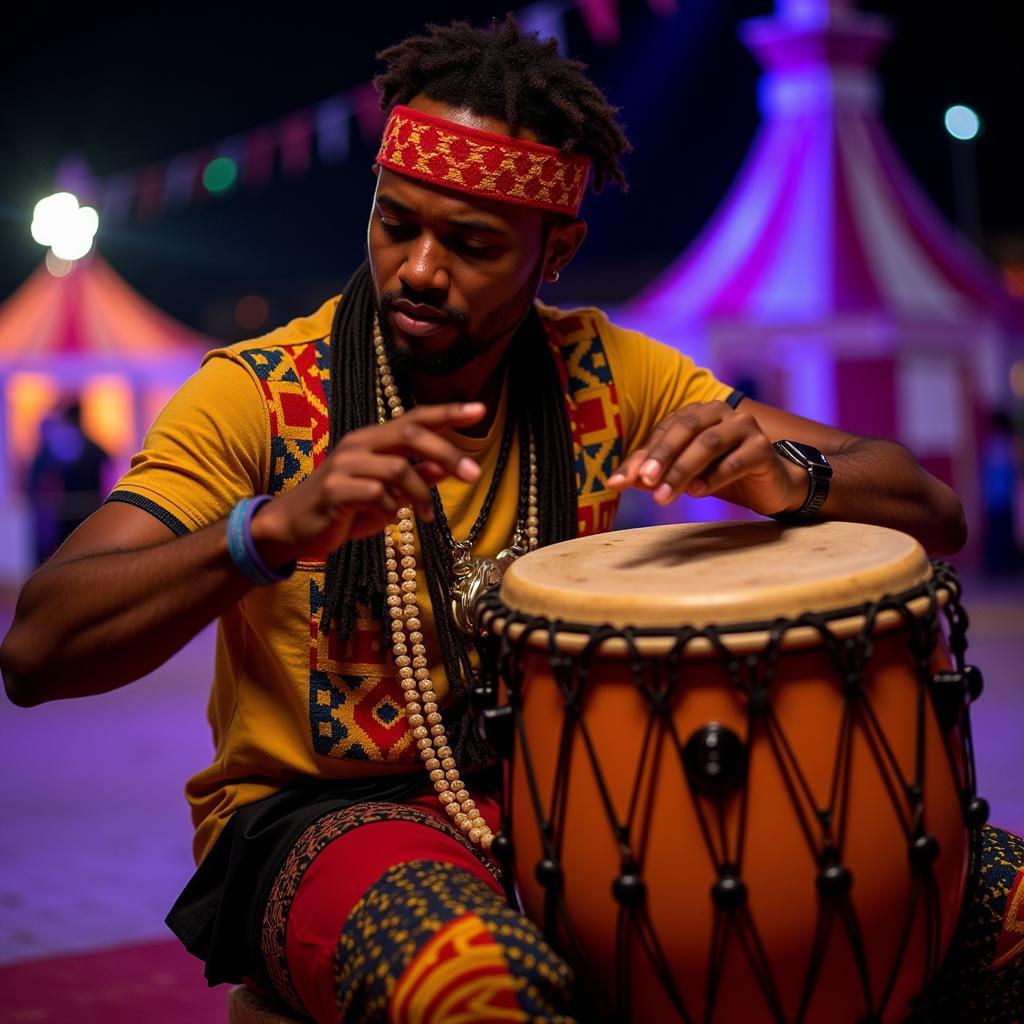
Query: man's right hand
[[363, 482]]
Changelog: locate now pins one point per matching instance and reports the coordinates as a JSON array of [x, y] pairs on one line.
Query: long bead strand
[[421, 708]]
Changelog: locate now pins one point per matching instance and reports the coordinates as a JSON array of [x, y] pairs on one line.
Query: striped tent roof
[[824, 221], [91, 312]]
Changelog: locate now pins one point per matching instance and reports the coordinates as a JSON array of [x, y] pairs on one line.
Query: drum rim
[[713, 578], [888, 613]]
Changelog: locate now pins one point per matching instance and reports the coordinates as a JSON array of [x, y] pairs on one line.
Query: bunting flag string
[[289, 144]]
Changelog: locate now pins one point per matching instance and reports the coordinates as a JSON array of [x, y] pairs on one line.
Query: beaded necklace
[[421, 707]]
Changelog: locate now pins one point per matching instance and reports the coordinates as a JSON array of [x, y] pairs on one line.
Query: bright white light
[[50, 213], [962, 122], [68, 229]]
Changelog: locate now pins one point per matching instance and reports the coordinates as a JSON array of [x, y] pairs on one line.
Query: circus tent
[[90, 335], [827, 280]]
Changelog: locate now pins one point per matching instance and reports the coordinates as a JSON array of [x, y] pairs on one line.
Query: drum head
[[697, 574]]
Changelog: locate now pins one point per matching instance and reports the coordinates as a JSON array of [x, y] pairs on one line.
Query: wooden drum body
[[739, 781]]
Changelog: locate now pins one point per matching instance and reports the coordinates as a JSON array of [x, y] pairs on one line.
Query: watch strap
[[818, 485]]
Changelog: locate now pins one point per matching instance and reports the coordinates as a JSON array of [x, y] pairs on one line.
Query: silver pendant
[[475, 577]]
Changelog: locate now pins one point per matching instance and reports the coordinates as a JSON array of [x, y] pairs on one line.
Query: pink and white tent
[[827, 276], [88, 334]]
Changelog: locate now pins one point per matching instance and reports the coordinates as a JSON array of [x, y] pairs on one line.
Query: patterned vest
[[355, 703]]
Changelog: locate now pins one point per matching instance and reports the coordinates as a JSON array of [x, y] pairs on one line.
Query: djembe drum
[[738, 775]]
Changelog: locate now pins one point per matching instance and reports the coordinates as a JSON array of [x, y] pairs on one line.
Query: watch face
[[808, 456], [812, 455]]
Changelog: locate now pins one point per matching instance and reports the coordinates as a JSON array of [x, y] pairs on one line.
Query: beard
[[467, 347]]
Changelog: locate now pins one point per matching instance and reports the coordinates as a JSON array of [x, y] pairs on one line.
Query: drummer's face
[[455, 274]]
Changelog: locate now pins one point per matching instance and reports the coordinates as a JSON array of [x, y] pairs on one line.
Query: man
[[332, 872]]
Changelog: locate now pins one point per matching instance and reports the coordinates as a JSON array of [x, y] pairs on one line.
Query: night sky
[[126, 87]]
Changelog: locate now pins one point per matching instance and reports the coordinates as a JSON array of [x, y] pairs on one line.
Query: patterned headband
[[482, 163]]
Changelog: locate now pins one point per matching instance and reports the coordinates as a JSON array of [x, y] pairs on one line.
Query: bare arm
[[709, 448], [123, 594], [120, 597]]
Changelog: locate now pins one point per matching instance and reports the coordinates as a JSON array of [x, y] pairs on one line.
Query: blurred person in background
[[1000, 481], [65, 479]]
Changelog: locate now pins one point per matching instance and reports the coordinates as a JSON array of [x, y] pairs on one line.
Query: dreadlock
[[499, 72], [495, 72]]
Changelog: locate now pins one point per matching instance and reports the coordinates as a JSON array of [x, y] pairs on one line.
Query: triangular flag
[[149, 200], [602, 20], [260, 146], [331, 118], [366, 104], [295, 134], [118, 192], [180, 180]]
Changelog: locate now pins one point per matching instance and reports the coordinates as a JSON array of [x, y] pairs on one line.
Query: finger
[[684, 426], [432, 417], [628, 470], [369, 509], [706, 448], [432, 472], [447, 414], [754, 455], [396, 473], [365, 496], [628, 473], [414, 440], [359, 497], [645, 467]]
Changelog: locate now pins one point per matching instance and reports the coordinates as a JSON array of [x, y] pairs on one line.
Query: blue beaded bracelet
[[242, 549]]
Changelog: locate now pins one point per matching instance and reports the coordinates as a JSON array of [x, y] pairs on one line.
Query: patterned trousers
[[385, 913]]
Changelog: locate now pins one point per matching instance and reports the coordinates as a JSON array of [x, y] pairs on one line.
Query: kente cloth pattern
[[491, 166], [356, 707], [309, 845], [429, 944], [595, 417], [982, 977]]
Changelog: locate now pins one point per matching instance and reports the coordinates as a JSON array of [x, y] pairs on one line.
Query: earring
[[553, 276]]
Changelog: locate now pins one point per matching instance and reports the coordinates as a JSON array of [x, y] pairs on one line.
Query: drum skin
[[905, 915]]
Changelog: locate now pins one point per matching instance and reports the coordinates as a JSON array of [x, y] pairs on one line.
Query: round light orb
[[1017, 379], [962, 122], [72, 246], [50, 214], [220, 174], [251, 312], [56, 266], [1013, 279], [66, 228]]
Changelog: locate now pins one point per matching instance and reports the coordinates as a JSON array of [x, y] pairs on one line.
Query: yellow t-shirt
[[286, 703]]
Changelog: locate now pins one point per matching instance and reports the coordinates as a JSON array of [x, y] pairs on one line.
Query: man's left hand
[[710, 448]]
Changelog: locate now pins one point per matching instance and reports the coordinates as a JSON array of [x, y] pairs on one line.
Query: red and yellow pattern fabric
[[355, 701], [328, 871], [982, 977], [1010, 944], [289, 702], [429, 943], [488, 165], [460, 976], [596, 419]]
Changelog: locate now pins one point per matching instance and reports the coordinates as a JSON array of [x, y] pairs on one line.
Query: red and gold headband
[[485, 164]]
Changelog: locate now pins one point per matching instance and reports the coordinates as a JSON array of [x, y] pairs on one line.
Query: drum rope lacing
[[823, 827]]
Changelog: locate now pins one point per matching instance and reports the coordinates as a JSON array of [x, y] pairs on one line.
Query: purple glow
[[825, 248]]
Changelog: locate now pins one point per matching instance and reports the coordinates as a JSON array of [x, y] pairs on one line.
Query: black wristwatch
[[819, 473]]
